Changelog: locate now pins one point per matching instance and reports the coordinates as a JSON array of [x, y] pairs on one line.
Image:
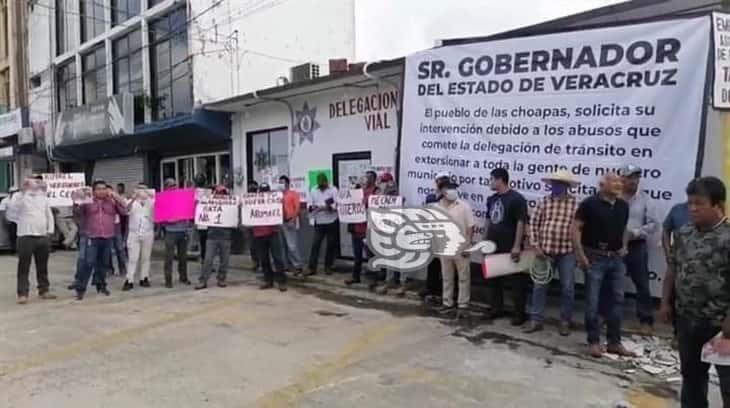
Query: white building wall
[[344, 134], [243, 45]]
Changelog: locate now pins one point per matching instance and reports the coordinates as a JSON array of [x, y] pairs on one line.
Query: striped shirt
[[550, 225]]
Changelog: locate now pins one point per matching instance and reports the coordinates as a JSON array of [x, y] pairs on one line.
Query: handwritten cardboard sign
[[217, 211], [385, 201], [351, 206], [299, 184], [175, 205], [261, 209], [60, 187]]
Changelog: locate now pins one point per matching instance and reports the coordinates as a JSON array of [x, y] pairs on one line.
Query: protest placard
[[83, 195], [202, 193], [60, 186], [299, 184], [175, 205], [351, 206], [260, 209], [217, 211], [385, 201]]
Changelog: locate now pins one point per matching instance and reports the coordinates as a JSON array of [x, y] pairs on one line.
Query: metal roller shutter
[[127, 170]]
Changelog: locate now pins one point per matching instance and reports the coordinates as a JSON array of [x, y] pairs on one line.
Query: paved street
[[316, 345]]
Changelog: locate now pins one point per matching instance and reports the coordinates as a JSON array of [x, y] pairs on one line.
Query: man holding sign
[[323, 215], [35, 226], [172, 210], [263, 212], [99, 217], [141, 236], [358, 209], [220, 214]]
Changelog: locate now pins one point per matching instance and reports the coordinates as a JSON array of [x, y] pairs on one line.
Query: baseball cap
[[629, 170], [443, 174]]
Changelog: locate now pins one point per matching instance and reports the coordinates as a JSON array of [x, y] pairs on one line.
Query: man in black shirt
[[600, 241], [505, 226]]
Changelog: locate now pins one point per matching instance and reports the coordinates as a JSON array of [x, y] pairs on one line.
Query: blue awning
[[200, 128]]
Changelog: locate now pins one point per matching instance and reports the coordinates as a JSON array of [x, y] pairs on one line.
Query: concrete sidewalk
[[320, 344]]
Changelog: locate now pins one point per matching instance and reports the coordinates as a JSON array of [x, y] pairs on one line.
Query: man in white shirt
[[141, 236], [33, 213], [323, 215], [461, 213]]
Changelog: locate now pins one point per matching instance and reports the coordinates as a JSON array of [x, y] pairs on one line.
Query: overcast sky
[[393, 28]]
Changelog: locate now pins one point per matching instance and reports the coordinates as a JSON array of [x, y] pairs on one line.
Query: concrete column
[[146, 68]]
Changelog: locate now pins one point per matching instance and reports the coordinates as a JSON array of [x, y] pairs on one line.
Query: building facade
[[117, 86], [16, 152]]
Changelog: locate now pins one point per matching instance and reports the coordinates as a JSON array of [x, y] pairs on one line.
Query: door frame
[[336, 158]]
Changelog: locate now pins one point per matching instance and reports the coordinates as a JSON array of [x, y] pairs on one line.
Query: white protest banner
[[384, 201], [83, 195], [721, 88], [260, 209], [217, 211], [588, 101], [60, 187], [299, 184], [351, 206]]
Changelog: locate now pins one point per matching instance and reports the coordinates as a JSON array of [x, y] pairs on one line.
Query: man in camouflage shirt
[[700, 272]]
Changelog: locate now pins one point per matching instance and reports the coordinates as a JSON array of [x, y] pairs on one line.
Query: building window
[[172, 81], [268, 154], [123, 10], [4, 90], [92, 19], [215, 167], [93, 67], [127, 67], [7, 175], [152, 3], [66, 85], [62, 35]]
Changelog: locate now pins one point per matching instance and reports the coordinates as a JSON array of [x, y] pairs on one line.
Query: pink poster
[[175, 205]]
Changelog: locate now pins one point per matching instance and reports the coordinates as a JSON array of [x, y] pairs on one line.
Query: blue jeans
[[95, 256], [565, 265], [120, 252], [81, 259], [220, 248], [637, 267], [603, 270]]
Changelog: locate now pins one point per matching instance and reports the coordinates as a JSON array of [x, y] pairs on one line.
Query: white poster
[[60, 186], [260, 209], [299, 184], [351, 206], [721, 33], [385, 201], [586, 101], [217, 211]]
